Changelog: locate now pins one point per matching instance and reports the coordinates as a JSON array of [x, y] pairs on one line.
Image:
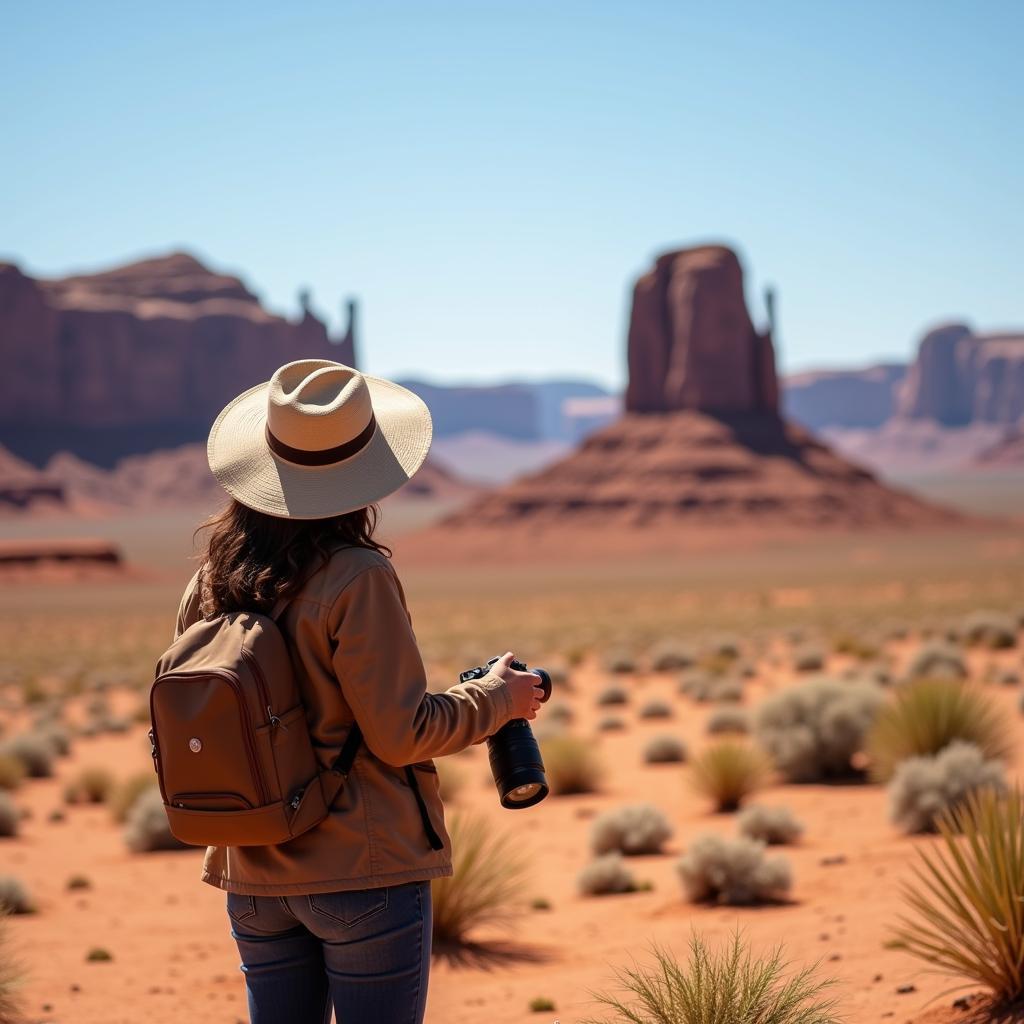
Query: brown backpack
[[230, 741]]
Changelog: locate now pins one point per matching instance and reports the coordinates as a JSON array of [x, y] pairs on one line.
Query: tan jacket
[[355, 656]]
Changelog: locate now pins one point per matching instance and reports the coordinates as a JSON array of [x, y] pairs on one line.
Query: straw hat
[[317, 440]]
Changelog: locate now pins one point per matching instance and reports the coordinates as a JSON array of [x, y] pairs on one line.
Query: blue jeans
[[366, 952]]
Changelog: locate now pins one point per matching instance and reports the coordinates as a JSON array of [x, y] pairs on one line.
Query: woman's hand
[[526, 693]]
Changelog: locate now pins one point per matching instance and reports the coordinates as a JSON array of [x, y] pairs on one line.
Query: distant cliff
[[861, 399], [136, 358]]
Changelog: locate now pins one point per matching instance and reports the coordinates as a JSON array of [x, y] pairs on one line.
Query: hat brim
[[250, 472]]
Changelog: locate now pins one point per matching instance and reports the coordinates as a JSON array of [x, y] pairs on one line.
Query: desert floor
[[173, 958]]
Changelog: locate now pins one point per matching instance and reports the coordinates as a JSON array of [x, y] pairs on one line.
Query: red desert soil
[[174, 960]]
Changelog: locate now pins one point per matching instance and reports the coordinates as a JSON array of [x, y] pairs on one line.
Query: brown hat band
[[326, 456]]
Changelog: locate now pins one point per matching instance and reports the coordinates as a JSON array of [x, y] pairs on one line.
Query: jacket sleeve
[[379, 668]]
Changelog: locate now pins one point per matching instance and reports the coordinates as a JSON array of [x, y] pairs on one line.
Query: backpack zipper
[[250, 740], [261, 685]]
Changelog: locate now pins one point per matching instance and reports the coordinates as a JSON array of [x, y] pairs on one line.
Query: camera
[[514, 755]]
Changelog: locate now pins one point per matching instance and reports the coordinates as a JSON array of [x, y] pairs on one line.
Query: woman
[[339, 916]]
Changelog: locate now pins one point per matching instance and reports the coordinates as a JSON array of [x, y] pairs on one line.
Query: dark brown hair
[[252, 559]]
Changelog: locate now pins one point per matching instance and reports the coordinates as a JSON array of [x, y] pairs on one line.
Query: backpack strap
[[335, 776], [436, 842]]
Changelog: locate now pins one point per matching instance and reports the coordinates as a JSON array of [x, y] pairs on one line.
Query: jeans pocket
[[241, 908], [351, 907]]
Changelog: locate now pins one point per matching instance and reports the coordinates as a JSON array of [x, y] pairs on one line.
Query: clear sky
[[489, 177]]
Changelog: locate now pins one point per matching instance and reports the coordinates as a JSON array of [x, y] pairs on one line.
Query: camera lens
[[516, 765]]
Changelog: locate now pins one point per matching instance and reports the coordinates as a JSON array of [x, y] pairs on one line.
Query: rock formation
[[701, 444], [960, 378], [23, 487], [691, 341], [135, 358], [849, 399]]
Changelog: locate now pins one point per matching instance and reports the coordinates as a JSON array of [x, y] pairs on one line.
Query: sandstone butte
[[136, 358], [701, 446]]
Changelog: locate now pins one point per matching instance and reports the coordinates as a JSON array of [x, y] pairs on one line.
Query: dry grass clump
[[656, 708], [558, 713], [733, 871], [855, 647], [10, 817], [611, 723], [124, 795], [728, 720], [809, 659], [14, 897], [926, 716], [10, 980], [922, 788], [964, 914], [57, 736], [994, 630], [489, 871], [613, 695], [605, 876], [670, 656], [570, 764], [814, 730], [146, 828], [666, 749], [937, 661], [35, 752], [633, 829], [12, 771], [90, 786], [776, 826], [705, 687], [725, 986], [729, 771]]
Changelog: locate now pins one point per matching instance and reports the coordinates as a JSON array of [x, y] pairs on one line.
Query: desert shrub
[[964, 912], [704, 687], [613, 695], [734, 871], [14, 897], [725, 986], [728, 720], [10, 817], [727, 772], [146, 828], [809, 659], [558, 712], [633, 829], [656, 708], [923, 787], [541, 1004], [664, 750], [571, 765], [99, 955], [999, 676], [775, 826], [670, 656], [611, 723], [606, 875], [122, 798], [813, 731], [620, 662], [57, 736], [937, 661], [76, 883], [926, 716], [90, 786], [855, 646], [726, 648], [35, 753], [489, 870], [994, 630], [12, 771]]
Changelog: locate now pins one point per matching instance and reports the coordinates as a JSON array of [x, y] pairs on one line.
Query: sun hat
[[317, 440]]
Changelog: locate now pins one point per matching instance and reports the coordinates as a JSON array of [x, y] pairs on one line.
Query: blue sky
[[489, 177]]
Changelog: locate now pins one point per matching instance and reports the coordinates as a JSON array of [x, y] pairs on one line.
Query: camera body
[[516, 763]]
